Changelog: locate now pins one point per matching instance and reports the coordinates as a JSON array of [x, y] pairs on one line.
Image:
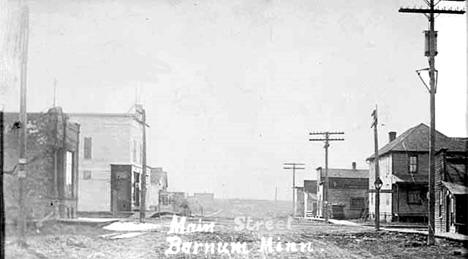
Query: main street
[[324, 240]]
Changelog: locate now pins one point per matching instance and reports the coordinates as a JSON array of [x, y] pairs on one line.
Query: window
[[134, 151], [87, 147], [414, 197], [136, 188], [357, 203], [86, 175], [413, 163], [69, 174]]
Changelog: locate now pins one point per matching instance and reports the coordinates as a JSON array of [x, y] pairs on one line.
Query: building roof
[[416, 139], [346, 173]]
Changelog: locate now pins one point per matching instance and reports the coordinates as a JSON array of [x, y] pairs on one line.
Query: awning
[[455, 188], [410, 179]]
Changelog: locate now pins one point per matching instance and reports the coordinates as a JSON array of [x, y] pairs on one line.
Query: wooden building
[[404, 170], [347, 190], [451, 192]]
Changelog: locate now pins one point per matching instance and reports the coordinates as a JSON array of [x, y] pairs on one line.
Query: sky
[[233, 87]]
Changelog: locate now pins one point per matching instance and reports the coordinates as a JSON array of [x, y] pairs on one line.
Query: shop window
[[69, 174]]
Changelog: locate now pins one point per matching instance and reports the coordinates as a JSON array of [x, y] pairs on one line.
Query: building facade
[[310, 198], [110, 162], [51, 180], [404, 170], [347, 190], [451, 192]]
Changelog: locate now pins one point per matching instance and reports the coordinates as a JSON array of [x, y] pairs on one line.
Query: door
[[121, 190]]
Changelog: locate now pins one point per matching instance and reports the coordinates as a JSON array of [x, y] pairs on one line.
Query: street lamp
[[378, 184]]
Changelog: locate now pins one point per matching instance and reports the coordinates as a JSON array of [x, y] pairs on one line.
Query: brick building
[[111, 163], [404, 169], [51, 182], [348, 192], [451, 192]]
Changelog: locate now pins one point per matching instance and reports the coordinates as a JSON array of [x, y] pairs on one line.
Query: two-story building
[[347, 192], [404, 169], [50, 181], [111, 163]]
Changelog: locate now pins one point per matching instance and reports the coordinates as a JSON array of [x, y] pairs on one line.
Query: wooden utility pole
[[142, 120], [294, 167], [23, 126], [431, 51], [2, 205], [327, 140], [377, 170]]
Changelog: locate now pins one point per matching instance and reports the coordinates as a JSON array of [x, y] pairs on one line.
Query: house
[[299, 207], [310, 198], [51, 181], [347, 190], [204, 198], [158, 184], [451, 192], [404, 170], [174, 202], [111, 146]]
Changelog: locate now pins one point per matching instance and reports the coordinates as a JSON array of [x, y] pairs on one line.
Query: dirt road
[[297, 240]]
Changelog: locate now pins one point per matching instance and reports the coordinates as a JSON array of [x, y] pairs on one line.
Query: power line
[[431, 52], [327, 140]]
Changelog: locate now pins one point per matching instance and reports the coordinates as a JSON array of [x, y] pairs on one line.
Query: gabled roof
[[416, 139]]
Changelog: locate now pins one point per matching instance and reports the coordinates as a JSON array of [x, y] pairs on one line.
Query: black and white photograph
[[233, 129]]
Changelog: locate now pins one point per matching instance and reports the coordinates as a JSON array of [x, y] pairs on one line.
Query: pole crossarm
[[326, 138], [330, 139], [434, 11], [294, 167]]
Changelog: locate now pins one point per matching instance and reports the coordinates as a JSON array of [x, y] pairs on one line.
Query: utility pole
[[327, 140], [294, 167], [24, 34], [431, 51], [2, 205], [141, 113], [378, 181]]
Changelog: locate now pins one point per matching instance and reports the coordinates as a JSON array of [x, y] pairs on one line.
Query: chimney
[[354, 165], [391, 136]]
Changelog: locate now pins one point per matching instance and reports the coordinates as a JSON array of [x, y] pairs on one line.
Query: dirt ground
[[326, 241]]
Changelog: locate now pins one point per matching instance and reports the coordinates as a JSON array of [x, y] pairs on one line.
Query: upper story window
[[413, 163], [134, 151], [88, 141]]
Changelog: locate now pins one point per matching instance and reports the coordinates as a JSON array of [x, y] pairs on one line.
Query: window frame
[[88, 148], [410, 164], [87, 174], [417, 193]]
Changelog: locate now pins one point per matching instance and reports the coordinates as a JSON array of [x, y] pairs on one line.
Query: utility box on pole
[[430, 41]]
